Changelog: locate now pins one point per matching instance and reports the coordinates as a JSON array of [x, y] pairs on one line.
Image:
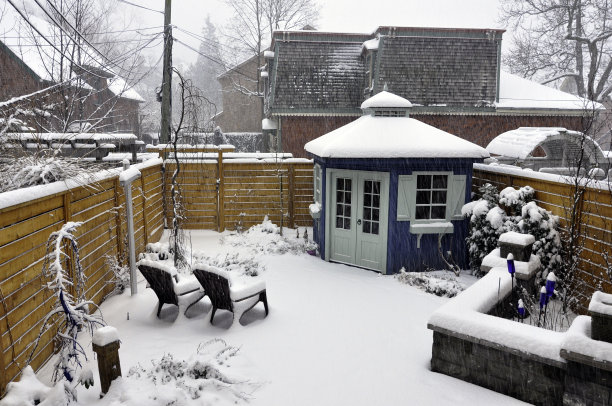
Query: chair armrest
[[243, 289], [187, 285]]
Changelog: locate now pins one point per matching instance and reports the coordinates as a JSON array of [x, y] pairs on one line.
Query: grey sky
[[336, 15]]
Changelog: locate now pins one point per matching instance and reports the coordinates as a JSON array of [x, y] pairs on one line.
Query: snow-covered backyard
[[335, 335]]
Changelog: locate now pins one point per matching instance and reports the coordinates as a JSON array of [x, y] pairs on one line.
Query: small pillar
[[517, 244], [106, 346], [600, 309]]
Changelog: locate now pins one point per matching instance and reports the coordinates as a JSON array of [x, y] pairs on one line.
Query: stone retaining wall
[[538, 366], [522, 376]]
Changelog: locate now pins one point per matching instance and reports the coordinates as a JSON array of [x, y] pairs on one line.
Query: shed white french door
[[356, 224]]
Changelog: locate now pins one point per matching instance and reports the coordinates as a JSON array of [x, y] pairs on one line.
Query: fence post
[[70, 253], [221, 191], [145, 229], [3, 374], [291, 195], [118, 222]]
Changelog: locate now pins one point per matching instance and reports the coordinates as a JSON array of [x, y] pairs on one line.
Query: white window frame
[[448, 182]]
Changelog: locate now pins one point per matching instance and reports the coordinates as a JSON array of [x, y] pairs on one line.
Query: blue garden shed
[[388, 190]]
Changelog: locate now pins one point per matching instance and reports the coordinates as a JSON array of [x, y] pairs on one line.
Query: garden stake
[[511, 270]]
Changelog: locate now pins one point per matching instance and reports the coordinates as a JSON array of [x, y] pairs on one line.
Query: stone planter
[[519, 245], [600, 309]]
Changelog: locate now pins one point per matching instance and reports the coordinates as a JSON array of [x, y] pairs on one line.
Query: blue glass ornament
[[511, 267], [551, 280], [543, 297]]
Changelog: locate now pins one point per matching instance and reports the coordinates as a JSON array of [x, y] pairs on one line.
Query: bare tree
[[253, 23], [557, 39]]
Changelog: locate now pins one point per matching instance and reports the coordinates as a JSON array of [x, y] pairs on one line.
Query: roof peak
[[386, 99]]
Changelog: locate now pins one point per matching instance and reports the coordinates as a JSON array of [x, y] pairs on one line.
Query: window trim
[[448, 174]]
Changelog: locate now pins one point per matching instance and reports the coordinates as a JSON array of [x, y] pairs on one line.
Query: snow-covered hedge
[[488, 221]]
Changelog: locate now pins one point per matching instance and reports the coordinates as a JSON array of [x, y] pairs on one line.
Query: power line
[[106, 32], [218, 62], [139, 6], [49, 42]]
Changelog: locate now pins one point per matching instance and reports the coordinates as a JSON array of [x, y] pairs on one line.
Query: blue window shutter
[[456, 197], [406, 197]]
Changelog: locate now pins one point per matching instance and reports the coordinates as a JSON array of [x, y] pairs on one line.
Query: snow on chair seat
[[226, 292], [166, 286]]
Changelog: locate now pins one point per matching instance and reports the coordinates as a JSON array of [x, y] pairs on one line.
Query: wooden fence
[[226, 194], [594, 205], [24, 230], [216, 194]]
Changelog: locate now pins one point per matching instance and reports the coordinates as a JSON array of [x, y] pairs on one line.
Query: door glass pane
[[371, 204], [343, 203]]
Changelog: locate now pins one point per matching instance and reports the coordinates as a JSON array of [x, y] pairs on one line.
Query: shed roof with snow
[[376, 136]]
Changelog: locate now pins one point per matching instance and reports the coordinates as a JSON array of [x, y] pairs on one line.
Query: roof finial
[[385, 88]]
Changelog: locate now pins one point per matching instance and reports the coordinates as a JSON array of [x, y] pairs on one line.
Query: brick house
[[316, 82], [29, 89]]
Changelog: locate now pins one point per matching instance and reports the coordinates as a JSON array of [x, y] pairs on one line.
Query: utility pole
[[166, 107]]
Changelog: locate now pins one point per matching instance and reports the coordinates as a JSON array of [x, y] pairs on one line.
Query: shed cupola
[[385, 104]]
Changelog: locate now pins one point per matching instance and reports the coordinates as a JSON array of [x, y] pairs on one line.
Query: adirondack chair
[[224, 295], [166, 286]]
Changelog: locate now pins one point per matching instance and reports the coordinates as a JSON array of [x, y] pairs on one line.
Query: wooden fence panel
[[214, 196], [24, 231], [595, 224]]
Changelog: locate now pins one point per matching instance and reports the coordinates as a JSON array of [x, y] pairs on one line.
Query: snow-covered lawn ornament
[[521, 310], [511, 268], [551, 280]]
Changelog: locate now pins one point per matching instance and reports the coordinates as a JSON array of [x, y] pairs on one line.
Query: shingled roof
[[316, 72], [452, 71], [318, 75]]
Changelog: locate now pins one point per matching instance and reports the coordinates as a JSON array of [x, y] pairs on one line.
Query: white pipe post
[[125, 179]]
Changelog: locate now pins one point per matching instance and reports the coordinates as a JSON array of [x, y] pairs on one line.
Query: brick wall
[[297, 131], [15, 79], [479, 129]]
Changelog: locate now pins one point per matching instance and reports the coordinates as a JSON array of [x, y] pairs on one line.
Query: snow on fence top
[[162, 147], [529, 173], [465, 315], [19, 196], [71, 136]]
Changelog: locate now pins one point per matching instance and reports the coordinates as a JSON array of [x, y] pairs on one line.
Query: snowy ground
[[335, 335]]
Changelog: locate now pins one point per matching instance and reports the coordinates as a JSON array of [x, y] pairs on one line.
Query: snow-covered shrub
[[543, 225], [121, 274], [439, 285], [487, 223], [205, 374], [34, 170], [266, 238], [515, 199], [30, 391], [71, 313], [235, 263]]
